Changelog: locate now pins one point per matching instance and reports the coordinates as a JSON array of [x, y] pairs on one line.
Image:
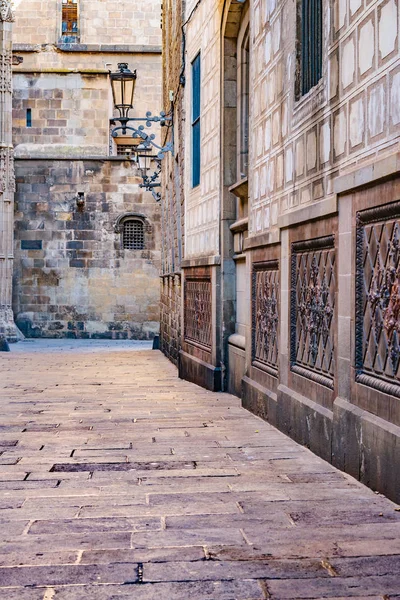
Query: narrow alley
[[118, 480]]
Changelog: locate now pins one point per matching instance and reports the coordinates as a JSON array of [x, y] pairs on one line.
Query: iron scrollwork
[[378, 298], [313, 308], [198, 312], [265, 295]]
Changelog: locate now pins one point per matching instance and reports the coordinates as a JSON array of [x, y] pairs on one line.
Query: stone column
[[7, 179]]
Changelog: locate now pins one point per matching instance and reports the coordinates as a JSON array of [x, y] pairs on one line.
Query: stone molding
[[201, 261], [367, 174], [310, 212], [95, 48]]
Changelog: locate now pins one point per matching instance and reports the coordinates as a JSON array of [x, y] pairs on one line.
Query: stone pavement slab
[[118, 480]]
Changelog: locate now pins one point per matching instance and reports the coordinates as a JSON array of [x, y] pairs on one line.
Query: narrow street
[[118, 480]]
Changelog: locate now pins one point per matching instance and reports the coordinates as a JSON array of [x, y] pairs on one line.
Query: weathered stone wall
[[100, 22], [172, 190], [72, 276]]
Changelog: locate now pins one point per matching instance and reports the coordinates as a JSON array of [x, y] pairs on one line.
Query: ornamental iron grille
[[313, 308], [133, 235], [198, 312], [378, 298], [265, 295]]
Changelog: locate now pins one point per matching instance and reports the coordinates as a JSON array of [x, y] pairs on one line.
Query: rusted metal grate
[[197, 311], [70, 18], [313, 308], [378, 298], [133, 235], [265, 295]]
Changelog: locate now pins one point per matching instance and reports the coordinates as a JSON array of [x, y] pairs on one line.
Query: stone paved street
[[118, 480]]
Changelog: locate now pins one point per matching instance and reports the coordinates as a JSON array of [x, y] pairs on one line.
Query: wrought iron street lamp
[[123, 88]]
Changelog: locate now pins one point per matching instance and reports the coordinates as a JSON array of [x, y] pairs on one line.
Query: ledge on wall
[[60, 152], [102, 48], [310, 212], [368, 174]]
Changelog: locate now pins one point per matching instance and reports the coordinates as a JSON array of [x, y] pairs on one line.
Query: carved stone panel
[[197, 311], [378, 298], [313, 287], [265, 294]]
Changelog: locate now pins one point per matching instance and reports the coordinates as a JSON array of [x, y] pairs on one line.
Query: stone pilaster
[[7, 179]]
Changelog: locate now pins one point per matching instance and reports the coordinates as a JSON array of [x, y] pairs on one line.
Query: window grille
[[70, 19], [265, 315], [198, 311], [311, 44], [378, 298], [133, 235], [196, 129], [313, 290], [123, 150]]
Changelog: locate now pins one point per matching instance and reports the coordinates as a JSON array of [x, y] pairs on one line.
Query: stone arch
[[119, 223]]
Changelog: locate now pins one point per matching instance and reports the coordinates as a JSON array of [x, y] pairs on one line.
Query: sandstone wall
[[72, 276]]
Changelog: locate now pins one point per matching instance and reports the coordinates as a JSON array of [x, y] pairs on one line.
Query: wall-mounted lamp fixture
[[123, 87]]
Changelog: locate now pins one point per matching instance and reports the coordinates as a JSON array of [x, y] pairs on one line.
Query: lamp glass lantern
[[123, 87]]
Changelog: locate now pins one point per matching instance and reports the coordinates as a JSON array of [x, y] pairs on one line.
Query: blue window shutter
[[196, 127]]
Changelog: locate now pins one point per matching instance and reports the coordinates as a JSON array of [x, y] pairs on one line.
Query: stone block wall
[[113, 22], [66, 110], [301, 144], [172, 190], [72, 277]]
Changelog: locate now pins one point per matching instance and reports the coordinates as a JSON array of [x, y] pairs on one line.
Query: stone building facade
[[172, 192], [7, 180], [291, 264], [87, 242]]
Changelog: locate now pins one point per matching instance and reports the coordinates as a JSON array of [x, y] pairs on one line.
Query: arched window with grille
[[133, 234], [70, 25]]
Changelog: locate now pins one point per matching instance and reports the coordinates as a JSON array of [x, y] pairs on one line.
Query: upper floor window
[[310, 54], [243, 83], [69, 26], [196, 102], [133, 234]]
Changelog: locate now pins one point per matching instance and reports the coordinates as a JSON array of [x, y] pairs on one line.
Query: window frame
[[70, 36], [124, 224], [196, 121], [310, 16]]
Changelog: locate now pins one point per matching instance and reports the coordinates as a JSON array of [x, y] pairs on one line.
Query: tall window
[[196, 96], [69, 20], [311, 44], [133, 235], [244, 91]]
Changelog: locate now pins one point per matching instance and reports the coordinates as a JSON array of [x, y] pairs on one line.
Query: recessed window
[[244, 110], [69, 28], [196, 97], [29, 117], [133, 235], [310, 38]]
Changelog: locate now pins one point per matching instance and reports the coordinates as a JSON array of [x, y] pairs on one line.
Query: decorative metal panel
[[265, 315], [313, 308], [197, 311], [378, 298]]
